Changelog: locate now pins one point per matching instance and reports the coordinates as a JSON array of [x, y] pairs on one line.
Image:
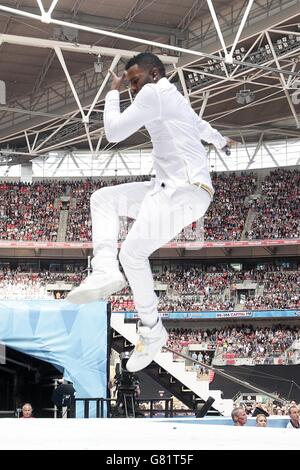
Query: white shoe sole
[[85, 295], [138, 364]]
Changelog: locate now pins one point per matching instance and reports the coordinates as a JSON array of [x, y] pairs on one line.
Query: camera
[[127, 387]]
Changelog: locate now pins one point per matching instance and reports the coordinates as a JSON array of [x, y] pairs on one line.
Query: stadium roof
[[55, 56]]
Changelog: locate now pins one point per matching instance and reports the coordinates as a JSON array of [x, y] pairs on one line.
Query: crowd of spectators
[[257, 343], [224, 221], [269, 407], [17, 285], [277, 211], [244, 341], [79, 223], [188, 289], [228, 212], [281, 290], [28, 212], [192, 289], [31, 211]]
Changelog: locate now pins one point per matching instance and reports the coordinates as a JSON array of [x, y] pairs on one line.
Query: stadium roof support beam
[[75, 47], [270, 153], [65, 69], [76, 163], [172, 60], [85, 117], [222, 159], [27, 142], [247, 53], [183, 84], [276, 12], [9, 18], [218, 116], [99, 142], [107, 163], [75, 7], [190, 14], [122, 158], [283, 82], [204, 103], [245, 145], [258, 146], [231, 79], [62, 159], [46, 15], [63, 124], [212, 88], [111, 23], [88, 135], [134, 10], [166, 60], [289, 80], [43, 71], [218, 29], [229, 56]]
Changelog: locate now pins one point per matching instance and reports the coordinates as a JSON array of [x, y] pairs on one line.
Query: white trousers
[[158, 218]]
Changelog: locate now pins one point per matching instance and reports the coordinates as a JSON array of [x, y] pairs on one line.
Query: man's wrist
[[114, 93]]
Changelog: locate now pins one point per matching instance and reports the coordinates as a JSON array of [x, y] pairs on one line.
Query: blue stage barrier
[[73, 338]]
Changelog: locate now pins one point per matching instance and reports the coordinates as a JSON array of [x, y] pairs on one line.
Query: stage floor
[[130, 434]]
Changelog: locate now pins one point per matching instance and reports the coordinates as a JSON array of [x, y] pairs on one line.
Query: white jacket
[[179, 157]]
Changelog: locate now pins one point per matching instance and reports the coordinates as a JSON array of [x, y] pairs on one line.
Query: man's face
[[242, 418], [138, 77], [294, 413], [27, 411]]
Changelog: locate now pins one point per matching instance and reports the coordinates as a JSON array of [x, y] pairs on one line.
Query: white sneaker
[[96, 287], [149, 343]]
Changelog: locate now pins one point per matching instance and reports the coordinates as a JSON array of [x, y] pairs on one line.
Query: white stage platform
[[130, 434]]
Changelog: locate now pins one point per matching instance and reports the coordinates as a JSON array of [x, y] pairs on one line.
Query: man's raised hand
[[117, 82]]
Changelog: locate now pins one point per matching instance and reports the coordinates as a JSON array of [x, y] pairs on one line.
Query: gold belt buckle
[[205, 187]]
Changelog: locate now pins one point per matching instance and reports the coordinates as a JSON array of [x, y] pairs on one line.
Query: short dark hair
[[147, 60]]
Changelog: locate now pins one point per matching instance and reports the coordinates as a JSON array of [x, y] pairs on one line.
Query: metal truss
[[71, 112], [111, 161], [191, 14], [203, 31]]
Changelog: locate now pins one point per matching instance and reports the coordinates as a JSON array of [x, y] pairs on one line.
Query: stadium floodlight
[[245, 96], [99, 64]]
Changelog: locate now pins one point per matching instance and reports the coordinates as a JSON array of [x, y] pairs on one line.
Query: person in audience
[[261, 420], [294, 417], [27, 411], [239, 416]]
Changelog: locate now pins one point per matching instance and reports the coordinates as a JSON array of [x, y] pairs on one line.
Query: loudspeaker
[[201, 412]]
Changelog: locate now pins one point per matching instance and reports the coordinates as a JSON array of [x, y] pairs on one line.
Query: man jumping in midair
[[180, 194]]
